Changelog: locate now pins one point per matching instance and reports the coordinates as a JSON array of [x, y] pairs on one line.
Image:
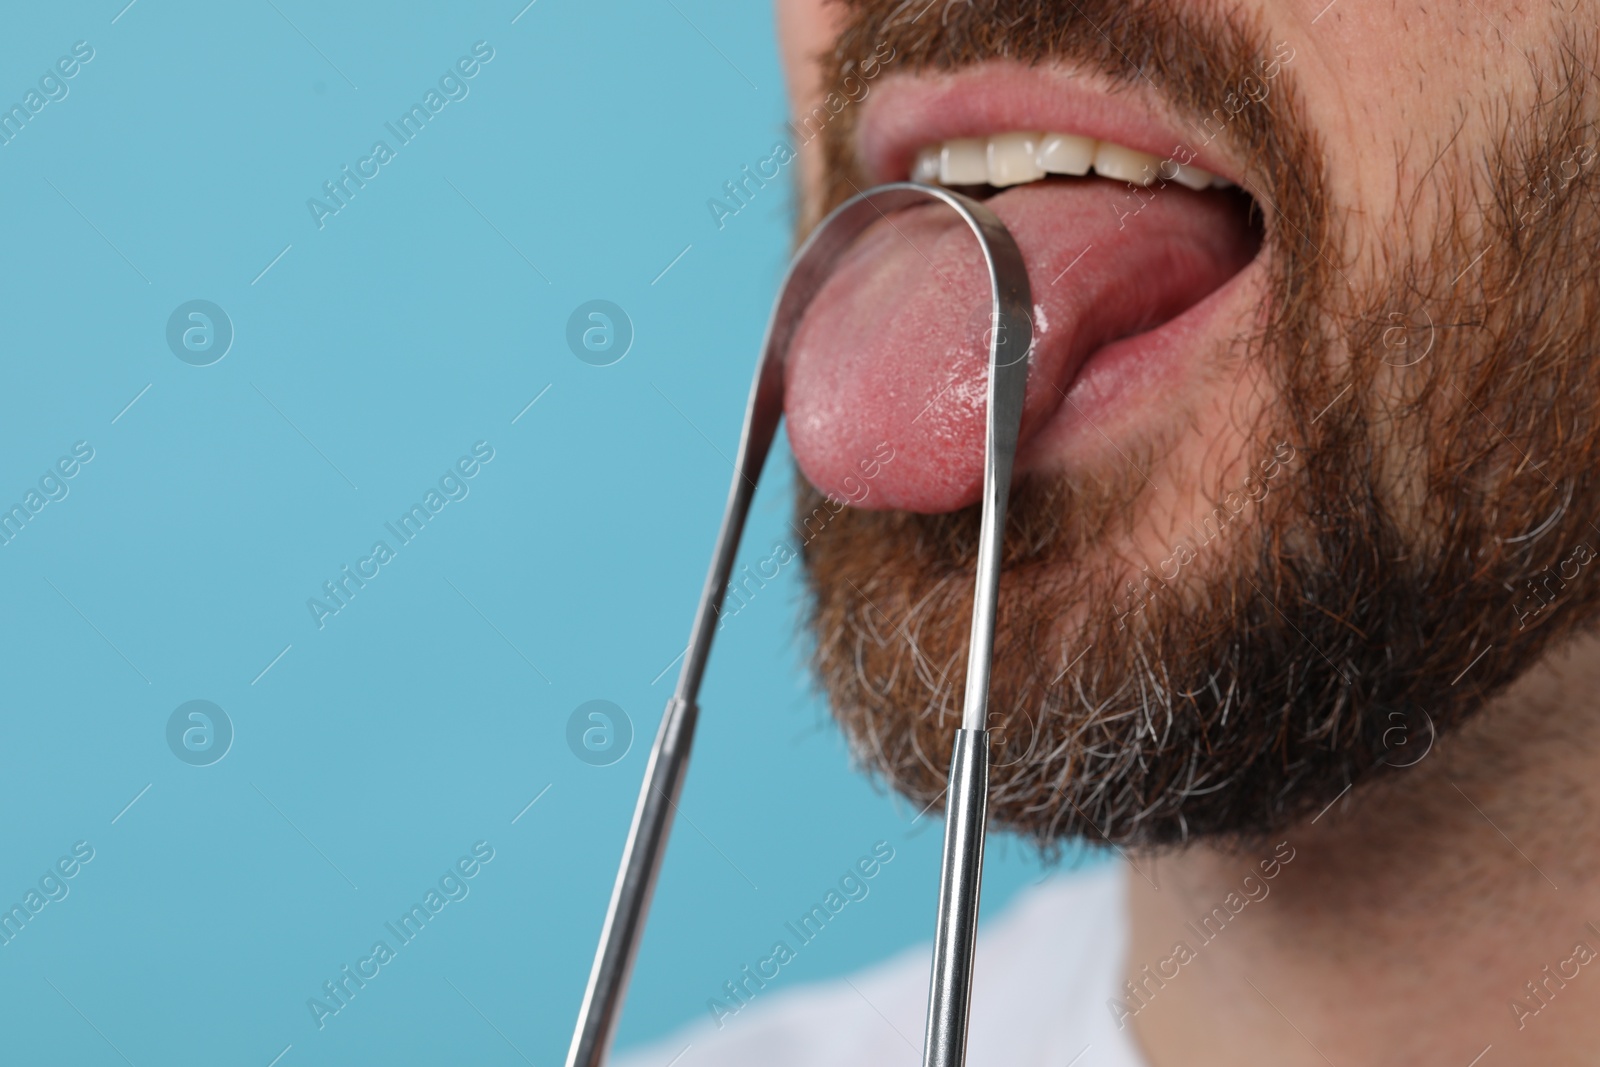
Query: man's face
[[1308, 460]]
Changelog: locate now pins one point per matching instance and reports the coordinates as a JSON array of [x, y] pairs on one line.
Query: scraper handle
[[636, 881], [966, 809]]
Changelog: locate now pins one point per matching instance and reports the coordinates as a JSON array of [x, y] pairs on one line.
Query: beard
[[1414, 530]]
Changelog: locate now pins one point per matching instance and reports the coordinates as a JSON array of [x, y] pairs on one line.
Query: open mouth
[[1142, 267]]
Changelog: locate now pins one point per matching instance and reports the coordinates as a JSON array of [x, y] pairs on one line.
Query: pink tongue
[[893, 352]]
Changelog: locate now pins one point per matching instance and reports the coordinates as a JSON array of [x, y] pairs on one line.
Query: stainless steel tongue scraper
[[966, 796]]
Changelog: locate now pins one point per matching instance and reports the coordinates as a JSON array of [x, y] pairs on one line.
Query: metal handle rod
[[966, 812], [1010, 341], [630, 897]]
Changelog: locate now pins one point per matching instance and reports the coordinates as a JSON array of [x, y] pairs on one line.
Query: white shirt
[[1044, 973]]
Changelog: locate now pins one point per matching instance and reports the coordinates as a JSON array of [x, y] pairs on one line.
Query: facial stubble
[[1378, 584]]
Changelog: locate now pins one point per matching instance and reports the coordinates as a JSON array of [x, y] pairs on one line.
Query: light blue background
[[428, 713]]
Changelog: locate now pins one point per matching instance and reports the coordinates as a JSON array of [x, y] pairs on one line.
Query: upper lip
[[908, 112]]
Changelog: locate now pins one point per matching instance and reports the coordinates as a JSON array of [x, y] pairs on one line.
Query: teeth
[[1017, 157], [1191, 176], [1064, 153], [1011, 159], [964, 161], [1125, 164]]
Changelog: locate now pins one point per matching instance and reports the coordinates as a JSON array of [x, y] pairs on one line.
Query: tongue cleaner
[[967, 792]]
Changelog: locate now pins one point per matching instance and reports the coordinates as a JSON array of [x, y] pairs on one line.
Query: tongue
[[893, 351]]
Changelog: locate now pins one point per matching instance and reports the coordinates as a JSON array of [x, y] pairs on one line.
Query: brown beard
[[1426, 541]]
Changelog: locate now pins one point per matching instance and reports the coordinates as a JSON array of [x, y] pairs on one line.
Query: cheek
[[807, 28], [1352, 76]]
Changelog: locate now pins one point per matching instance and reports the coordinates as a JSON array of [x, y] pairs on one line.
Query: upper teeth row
[[1013, 158]]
